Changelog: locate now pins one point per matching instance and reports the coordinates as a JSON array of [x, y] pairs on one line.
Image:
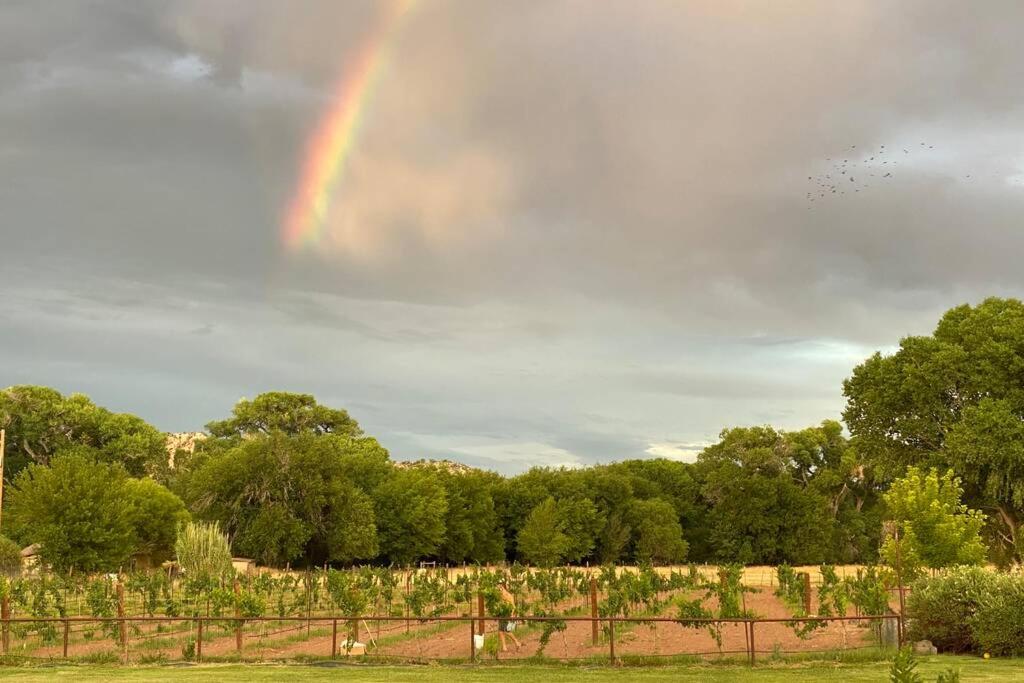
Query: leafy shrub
[[904, 665], [867, 591], [998, 624], [188, 649], [10, 557], [790, 589], [833, 593], [903, 668], [969, 610], [941, 608]]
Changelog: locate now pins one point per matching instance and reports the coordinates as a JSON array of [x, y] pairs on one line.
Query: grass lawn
[[971, 669]]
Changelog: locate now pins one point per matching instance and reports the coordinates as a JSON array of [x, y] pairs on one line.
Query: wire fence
[[453, 638]]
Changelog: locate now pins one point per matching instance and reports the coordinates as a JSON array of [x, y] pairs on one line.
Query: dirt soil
[[437, 640]]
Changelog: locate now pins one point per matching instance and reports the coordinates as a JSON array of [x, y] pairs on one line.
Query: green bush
[[940, 608], [10, 557], [998, 624], [969, 609]]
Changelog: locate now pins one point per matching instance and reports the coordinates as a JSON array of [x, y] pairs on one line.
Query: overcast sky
[[568, 232]]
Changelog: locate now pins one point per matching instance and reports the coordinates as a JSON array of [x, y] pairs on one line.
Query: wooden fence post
[[199, 641], [753, 648], [806, 576], [309, 599], [122, 625], [238, 617], [67, 629], [408, 588], [594, 624], [5, 614], [334, 639], [472, 640], [480, 612], [611, 639]]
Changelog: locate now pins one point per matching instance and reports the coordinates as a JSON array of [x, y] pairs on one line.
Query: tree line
[[297, 483]]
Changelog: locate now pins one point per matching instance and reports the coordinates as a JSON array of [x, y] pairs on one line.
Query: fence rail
[[477, 628]]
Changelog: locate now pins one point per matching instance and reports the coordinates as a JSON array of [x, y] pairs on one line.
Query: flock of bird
[[849, 175]]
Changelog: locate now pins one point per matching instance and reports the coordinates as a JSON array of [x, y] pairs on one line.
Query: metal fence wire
[[461, 638]]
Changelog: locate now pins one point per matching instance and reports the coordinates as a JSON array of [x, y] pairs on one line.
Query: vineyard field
[[439, 614]]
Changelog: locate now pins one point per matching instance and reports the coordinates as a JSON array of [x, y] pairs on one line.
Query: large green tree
[[542, 540], [658, 533], [581, 522], [155, 514], [77, 511], [987, 448], [279, 411], [675, 482], [762, 510], [411, 508], [472, 529], [41, 423], [952, 399], [88, 515], [287, 499]]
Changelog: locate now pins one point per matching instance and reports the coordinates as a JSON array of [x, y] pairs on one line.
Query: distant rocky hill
[[186, 441], [181, 441], [444, 465]]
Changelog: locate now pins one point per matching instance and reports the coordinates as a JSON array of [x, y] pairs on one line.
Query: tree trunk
[[1009, 520]]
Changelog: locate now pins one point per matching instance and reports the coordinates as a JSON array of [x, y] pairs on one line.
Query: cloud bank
[[570, 232]]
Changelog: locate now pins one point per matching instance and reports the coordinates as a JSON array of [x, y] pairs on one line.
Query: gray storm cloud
[[569, 231]]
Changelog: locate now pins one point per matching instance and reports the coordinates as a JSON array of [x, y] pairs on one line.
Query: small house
[[244, 565]]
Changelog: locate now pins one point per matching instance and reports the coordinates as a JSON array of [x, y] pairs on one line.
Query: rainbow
[[331, 144]]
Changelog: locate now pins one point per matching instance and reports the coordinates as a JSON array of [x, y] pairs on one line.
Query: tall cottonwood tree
[[411, 506], [41, 423], [472, 529], [775, 496], [288, 413], [288, 498], [955, 399]]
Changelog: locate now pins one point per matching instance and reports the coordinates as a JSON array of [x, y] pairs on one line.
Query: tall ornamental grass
[[202, 549]]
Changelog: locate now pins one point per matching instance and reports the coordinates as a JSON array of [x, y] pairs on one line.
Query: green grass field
[[971, 669]]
